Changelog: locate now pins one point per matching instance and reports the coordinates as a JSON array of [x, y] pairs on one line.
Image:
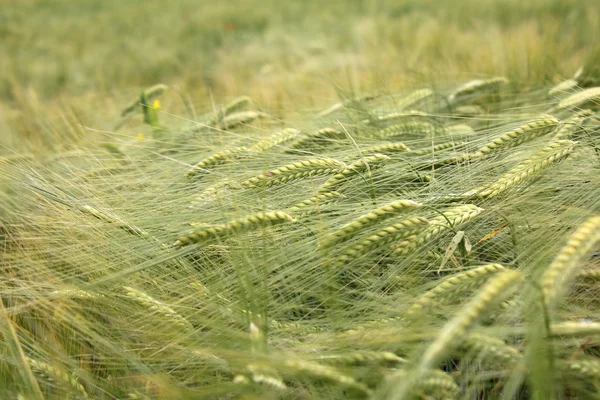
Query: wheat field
[[358, 200]]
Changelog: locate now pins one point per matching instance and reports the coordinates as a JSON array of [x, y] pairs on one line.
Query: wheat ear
[[216, 159], [315, 201], [315, 139], [388, 148], [277, 139], [522, 134], [574, 329], [413, 98], [58, 374], [451, 283], [528, 169], [456, 215], [453, 332], [295, 171], [381, 238], [348, 103], [436, 148], [235, 105], [420, 127], [156, 306], [572, 125], [563, 87], [494, 347], [580, 98], [558, 275], [316, 370], [366, 164], [239, 118], [361, 357], [250, 223], [475, 86], [379, 214], [433, 382]]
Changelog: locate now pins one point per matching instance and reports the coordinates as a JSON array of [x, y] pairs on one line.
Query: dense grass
[[362, 226]]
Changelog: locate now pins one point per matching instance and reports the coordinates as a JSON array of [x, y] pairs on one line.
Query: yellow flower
[[156, 104], [140, 136]]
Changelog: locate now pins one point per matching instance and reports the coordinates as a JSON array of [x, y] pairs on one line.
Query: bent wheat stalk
[[476, 86], [216, 159], [591, 95], [528, 169], [379, 214], [452, 283], [366, 164], [558, 276], [295, 171], [218, 232], [522, 134], [454, 331], [456, 215]]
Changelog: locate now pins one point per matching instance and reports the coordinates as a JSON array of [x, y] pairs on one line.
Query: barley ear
[[558, 275]]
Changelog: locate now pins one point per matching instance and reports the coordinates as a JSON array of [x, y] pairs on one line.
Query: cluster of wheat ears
[[427, 244]]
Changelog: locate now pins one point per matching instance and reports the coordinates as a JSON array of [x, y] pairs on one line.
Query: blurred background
[[83, 61]]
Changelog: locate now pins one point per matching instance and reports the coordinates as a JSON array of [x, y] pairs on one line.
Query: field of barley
[[359, 199]]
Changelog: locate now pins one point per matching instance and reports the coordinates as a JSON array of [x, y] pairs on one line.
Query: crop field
[[300, 200]]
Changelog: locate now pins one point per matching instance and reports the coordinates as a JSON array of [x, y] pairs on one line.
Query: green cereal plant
[[495, 348], [592, 274], [219, 158], [298, 170], [390, 117], [476, 86], [469, 111], [240, 118], [572, 125], [591, 95], [381, 238], [433, 384], [459, 130], [347, 104], [453, 283], [374, 217], [113, 221], [235, 105], [413, 98], [358, 167], [389, 148], [451, 218], [316, 370], [528, 169], [522, 134], [158, 307], [361, 357], [563, 87], [453, 333], [586, 367], [319, 138], [420, 127], [315, 202], [434, 149], [557, 276], [56, 373], [216, 189], [219, 232], [266, 376], [277, 139], [574, 329]]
